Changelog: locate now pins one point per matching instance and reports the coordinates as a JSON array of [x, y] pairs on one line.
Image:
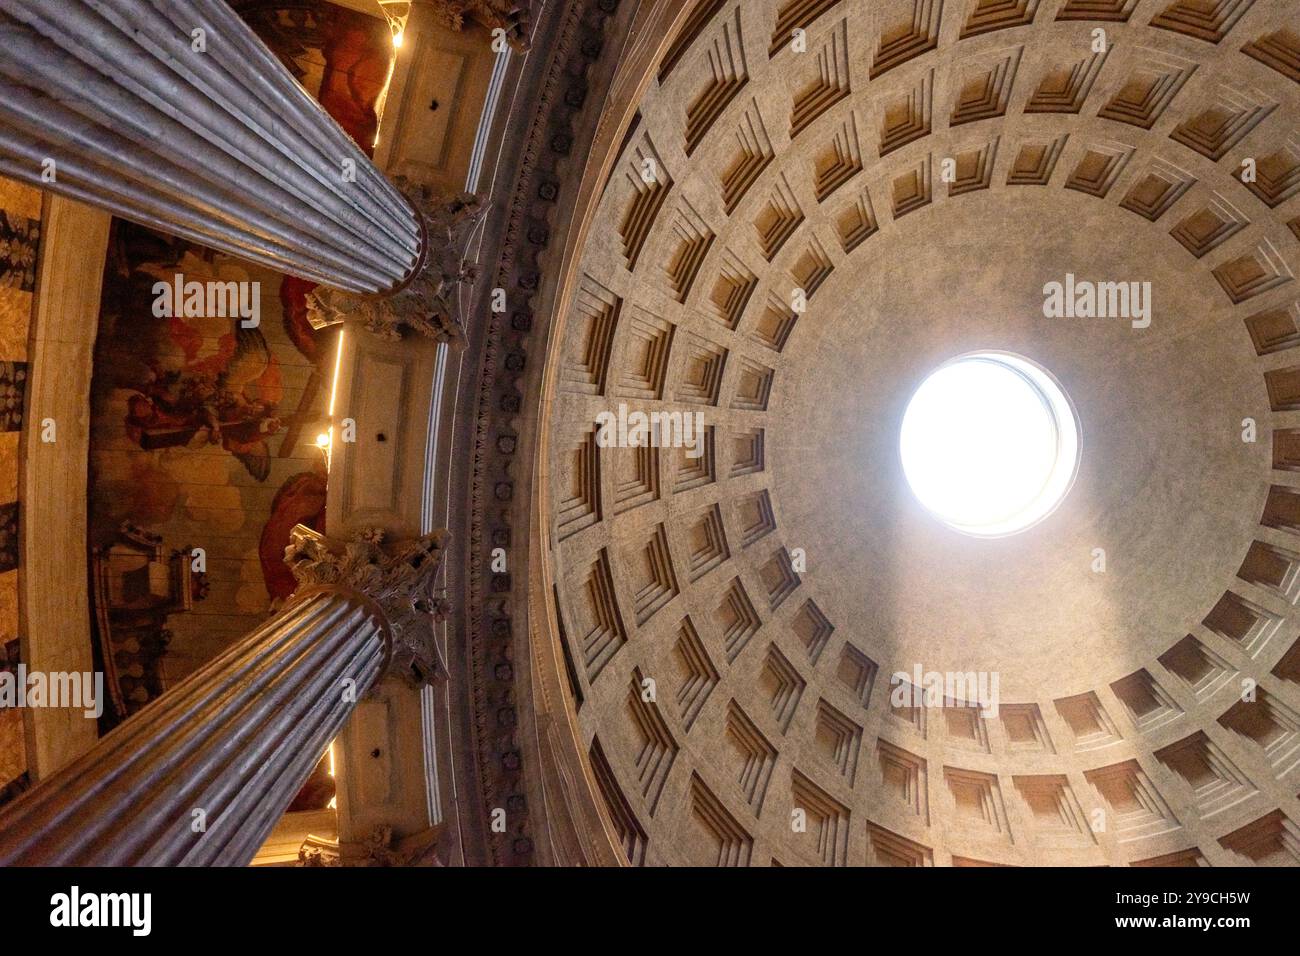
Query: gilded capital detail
[[426, 303], [399, 578]]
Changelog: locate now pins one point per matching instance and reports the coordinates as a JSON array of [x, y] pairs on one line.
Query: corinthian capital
[[426, 303], [399, 578], [512, 16]]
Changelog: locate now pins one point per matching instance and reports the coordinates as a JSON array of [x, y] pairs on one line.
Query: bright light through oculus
[[990, 444]]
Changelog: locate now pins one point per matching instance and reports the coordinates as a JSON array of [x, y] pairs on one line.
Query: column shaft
[[202, 776], [219, 145]]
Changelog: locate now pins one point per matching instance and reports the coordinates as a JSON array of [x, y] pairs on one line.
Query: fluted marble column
[[201, 776], [173, 114]]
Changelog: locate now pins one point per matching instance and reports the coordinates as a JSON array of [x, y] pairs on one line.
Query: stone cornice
[[496, 604]]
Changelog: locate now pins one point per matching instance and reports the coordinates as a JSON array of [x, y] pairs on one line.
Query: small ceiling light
[[990, 444], [322, 440], [397, 39]]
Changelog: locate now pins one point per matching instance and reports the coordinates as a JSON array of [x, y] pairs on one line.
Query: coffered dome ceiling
[[920, 172]]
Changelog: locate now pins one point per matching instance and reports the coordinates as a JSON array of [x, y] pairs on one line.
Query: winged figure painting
[[229, 397]]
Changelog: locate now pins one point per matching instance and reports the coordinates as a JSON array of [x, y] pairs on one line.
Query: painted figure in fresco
[[230, 397], [174, 396]]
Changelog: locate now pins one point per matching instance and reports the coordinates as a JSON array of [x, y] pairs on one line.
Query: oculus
[[990, 444]]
